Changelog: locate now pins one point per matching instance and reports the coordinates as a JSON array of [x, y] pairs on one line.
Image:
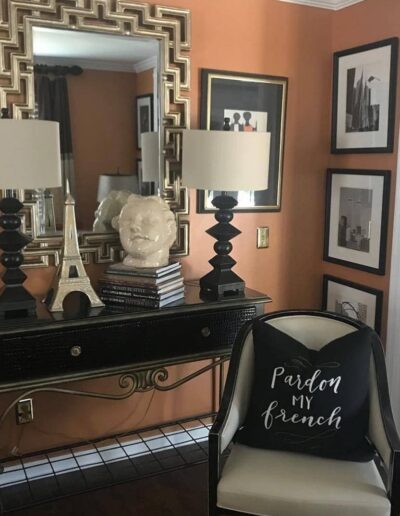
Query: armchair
[[282, 483]]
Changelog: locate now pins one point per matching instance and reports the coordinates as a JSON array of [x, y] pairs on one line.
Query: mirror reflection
[[103, 89]]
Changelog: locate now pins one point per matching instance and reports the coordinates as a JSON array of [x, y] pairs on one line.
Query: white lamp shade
[[225, 160], [29, 154], [109, 182], [150, 157]]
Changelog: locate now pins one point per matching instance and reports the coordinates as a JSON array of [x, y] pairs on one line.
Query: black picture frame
[[356, 218], [364, 98], [354, 300], [144, 116], [264, 97]]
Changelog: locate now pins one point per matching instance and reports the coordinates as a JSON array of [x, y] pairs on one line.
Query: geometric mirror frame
[[171, 27]]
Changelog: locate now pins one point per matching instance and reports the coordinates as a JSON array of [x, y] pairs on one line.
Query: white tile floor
[[166, 445]]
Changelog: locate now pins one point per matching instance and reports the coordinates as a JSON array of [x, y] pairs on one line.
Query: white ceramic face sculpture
[[147, 230], [109, 208]]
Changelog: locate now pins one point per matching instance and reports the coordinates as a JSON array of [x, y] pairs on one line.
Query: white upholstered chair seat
[[275, 483], [278, 483]]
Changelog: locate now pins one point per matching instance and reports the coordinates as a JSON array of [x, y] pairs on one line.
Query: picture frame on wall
[[356, 218], [246, 102], [144, 116], [353, 300], [364, 96]]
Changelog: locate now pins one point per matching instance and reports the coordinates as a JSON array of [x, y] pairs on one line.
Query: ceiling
[[335, 5], [92, 50]]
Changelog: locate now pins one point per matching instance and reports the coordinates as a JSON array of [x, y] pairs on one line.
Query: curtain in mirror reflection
[[52, 103]]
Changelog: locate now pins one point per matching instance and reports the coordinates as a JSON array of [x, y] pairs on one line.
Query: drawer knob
[[206, 332], [75, 351]]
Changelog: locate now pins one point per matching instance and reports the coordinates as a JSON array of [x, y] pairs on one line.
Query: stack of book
[[152, 287]]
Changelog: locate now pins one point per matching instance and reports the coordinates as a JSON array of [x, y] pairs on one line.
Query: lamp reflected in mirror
[[149, 175]]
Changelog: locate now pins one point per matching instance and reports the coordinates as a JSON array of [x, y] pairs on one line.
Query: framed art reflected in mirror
[[246, 102], [144, 116]]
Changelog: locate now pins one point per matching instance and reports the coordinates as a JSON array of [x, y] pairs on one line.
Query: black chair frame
[[391, 476]]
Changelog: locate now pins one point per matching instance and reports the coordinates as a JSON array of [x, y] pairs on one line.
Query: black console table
[[136, 343]]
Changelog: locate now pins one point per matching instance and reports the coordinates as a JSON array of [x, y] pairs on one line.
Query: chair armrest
[[237, 389], [233, 407], [382, 429]]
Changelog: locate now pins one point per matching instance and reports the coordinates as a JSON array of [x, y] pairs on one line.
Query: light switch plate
[[262, 237]]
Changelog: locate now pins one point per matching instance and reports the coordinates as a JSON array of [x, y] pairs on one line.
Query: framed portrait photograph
[[353, 300], [356, 218], [246, 102], [144, 116], [364, 96]]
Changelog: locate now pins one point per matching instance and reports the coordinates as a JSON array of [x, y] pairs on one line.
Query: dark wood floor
[[178, 493]]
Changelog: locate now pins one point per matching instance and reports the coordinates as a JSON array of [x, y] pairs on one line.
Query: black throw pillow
[[308, 401]]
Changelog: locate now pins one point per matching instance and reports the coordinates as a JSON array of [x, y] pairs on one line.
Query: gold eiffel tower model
[[71, 274]]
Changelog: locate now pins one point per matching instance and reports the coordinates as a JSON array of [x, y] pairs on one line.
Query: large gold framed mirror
[[162, 31]]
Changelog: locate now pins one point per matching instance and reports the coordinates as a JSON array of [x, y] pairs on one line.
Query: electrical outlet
[[262, 237], [24, 411]]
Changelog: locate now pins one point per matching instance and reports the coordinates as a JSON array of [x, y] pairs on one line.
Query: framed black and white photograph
[[144, 114], [246, 102], [356, 218], [364, 96], [353, 300]]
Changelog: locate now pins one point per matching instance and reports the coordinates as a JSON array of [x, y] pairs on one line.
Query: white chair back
[[312, 330]]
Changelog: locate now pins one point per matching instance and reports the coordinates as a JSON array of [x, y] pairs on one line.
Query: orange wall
[[144, 85], [144, 82], [254, 36], [103, 133], [376, 20], [292, 41]]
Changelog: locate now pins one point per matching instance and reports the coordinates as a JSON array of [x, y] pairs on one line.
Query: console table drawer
[[54, 353]]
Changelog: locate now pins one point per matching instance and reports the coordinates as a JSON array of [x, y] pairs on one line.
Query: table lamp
[[30, 159], [150, 157], [224, 161]]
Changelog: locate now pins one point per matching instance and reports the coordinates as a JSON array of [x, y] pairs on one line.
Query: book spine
[[151, 303], [127, 294], [135, 273], [124, 289], [139, 281], [148, 295]]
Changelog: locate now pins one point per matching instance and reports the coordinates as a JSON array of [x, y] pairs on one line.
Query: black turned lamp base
[[221, 282], [222, 287], [15, 301]]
